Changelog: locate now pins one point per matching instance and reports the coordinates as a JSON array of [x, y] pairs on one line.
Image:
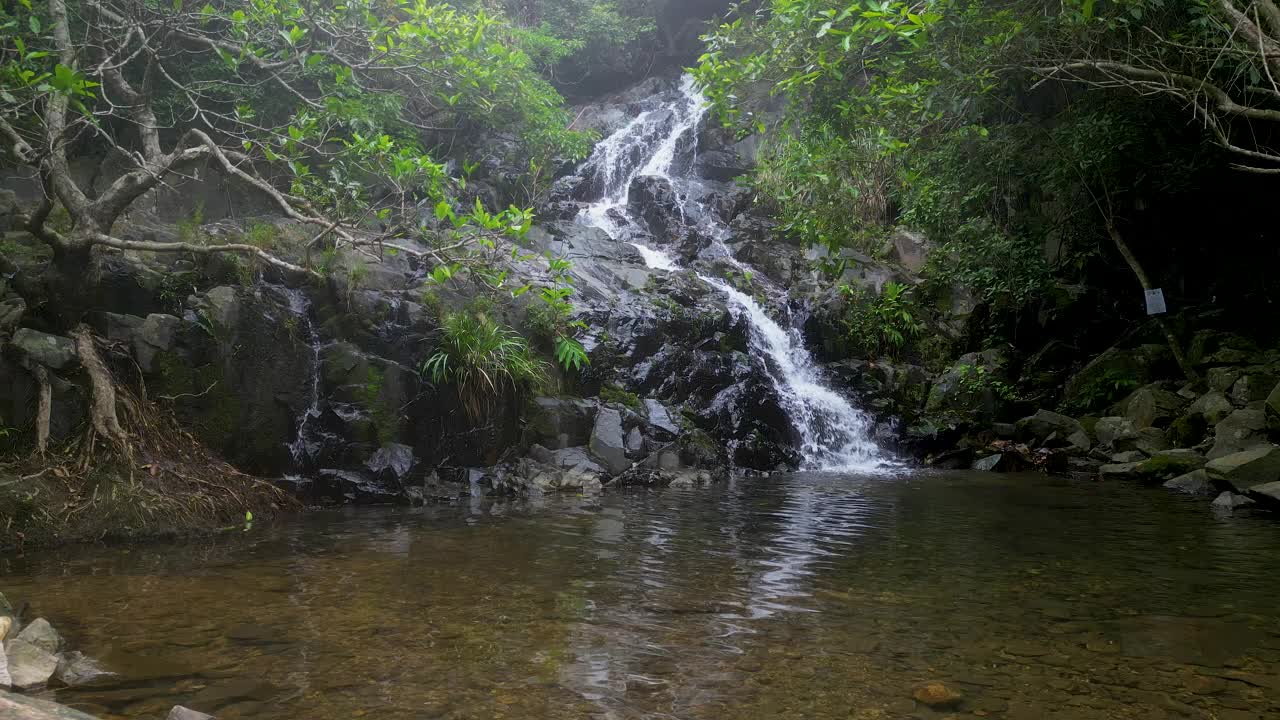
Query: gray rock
[[575, 458], [988, 463], [1213, 406], [180, 713], [18, 707], [11, 312], [29, 666], [1269, 492], [909, 249], [1231, 501], [1148, 440], [1112, 429], [1271, 408], [1080, 441], [1129, 456], [76, 668], [157, 333], [393, 461], [1119, 471], [669, 461], [1241, 430], [52, 351], [561, 423], [1046, 422], [1195, 482], [1220, 379], [607, 441], [221, 305], [1151, 406], [635, 442], [1247, 469], [6, 681], [1253, 386], [41, 634], [660, 418]]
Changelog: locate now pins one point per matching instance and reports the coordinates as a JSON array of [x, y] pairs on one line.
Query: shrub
[[483, 360]]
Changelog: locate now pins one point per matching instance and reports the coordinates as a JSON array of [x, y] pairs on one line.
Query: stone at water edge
[[937, 696], [1248, 468], [76, 668], [180, 713], [41, 634], [1195, 482], [1230, 501], [29, 666], [1171, 463], [1269, 492], [17, 707], [6, 682], [660, 417], [987, 464]]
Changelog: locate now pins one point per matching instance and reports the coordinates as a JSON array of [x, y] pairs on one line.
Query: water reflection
[[806, 596]]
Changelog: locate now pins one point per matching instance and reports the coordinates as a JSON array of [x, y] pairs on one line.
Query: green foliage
[[191, 227], [881, 324], [974, 380], [580, 37], [923, 114], [1103, 391], [482, 360]]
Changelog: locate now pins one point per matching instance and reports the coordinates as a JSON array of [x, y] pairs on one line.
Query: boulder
[[1119, 471], [909, 249], [560, 422], [18, 707], [1241, 430], [1231, 501], [1196, 482], [1171, 463], [608, 442], [52, 351], [660, 418], [1213, 406], [156, 334], [1253, 386], [180, 713], [1271, 408], [1046, 423], [1148, 440], [1220, 379], [988, 463], [29, 666], [6, 681], [1095, 384], [11, 313], [76, 668], [1152, 406], [392, 462], [1267, 492], [1112, 429], [1129, 456], [956, 397], [41, 634], [1247, 469], [635, 442]]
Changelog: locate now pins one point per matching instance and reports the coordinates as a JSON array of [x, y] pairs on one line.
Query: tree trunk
[[102, 404], [1132, 260]]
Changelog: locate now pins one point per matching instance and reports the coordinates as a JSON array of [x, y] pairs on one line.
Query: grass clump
[[483, 360]]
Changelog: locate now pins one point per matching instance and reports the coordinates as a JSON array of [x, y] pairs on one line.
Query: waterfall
[[834, 435], [305, 444]]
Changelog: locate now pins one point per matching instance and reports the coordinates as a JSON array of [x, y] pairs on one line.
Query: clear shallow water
[[807, 596]]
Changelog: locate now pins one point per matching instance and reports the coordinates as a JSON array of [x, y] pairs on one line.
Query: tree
[[329, 109]]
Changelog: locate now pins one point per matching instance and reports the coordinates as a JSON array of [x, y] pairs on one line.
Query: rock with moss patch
[[1247, 469], [1148, 440], [1171, 463], [1152, 406], [1254, 385]]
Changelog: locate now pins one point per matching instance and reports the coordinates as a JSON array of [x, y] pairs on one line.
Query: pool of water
[[805, 596]]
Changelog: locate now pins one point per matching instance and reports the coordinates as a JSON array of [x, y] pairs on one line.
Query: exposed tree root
[[133, 471], [44, 410]]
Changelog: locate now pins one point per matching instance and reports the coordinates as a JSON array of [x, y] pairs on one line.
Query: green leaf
[[33, 22]]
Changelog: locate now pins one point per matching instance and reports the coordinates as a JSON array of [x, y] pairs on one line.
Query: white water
[[834, 434], [301, 449]]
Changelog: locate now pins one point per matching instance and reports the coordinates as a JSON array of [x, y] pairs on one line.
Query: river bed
[[801, 596]]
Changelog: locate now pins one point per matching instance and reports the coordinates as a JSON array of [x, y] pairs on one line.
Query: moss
[[372, 399], [218, 415], [1170, 465], [615, 394], [1188, 430]]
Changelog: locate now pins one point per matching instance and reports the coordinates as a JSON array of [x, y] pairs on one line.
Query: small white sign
[[1155, 302]]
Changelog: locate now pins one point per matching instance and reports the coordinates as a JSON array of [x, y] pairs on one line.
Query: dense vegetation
[[1036, 142]]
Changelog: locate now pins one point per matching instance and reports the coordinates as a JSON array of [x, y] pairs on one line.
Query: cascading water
[[834, 435], [304, 444]]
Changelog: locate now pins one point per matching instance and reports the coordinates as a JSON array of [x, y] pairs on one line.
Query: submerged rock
[[18, 707], [938, 696], [180, 713], [76, 668], [1230, 501]]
